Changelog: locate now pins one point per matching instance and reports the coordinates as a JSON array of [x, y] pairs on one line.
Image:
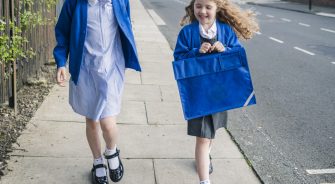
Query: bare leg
[[109, 131], [201, 157], [92, 134]]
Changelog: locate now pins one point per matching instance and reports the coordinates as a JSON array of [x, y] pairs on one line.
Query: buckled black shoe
[[99, 180], [115, 174], [210, 165]]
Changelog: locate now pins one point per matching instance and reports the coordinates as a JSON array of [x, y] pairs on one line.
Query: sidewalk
[[153, 141], [292, 6]]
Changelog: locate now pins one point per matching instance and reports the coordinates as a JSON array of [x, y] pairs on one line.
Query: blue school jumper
[[189, 43]]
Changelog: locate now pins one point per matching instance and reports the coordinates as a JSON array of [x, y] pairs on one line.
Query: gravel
[[29, 98]]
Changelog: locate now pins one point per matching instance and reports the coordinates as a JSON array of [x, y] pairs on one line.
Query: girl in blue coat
[[214, 26], [97, 38]]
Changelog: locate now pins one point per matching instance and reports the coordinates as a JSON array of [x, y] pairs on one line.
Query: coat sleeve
[[232, 40], [62, 33], [183, 49], [128, 8]]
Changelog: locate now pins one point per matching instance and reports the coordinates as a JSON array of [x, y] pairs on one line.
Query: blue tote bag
[[214, 83]]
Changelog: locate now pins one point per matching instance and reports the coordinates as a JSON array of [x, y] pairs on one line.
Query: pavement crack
[[154, 169], [146, 112]]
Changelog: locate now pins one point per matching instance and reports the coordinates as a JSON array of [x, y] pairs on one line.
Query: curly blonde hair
[[242, 21]]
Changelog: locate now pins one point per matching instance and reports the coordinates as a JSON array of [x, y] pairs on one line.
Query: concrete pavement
[[153, 141]]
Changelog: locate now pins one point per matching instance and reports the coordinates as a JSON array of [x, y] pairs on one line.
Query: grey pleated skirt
[[206, 126]]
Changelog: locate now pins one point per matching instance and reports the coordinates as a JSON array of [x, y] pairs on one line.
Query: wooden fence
[[41, 39]]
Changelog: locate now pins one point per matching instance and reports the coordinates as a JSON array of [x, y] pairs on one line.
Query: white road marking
[[305, 51], [181, 2], [276, 40], [271, 16], [328, 30], [334, 64], [320, 171], [258, 13], [157, 19], [286, 20], [326, 14], [257, 32], [303, 24]]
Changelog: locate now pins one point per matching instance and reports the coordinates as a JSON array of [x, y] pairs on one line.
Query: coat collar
[[196, 33]]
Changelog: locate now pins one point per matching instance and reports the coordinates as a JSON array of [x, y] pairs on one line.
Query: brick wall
[[317, 2]]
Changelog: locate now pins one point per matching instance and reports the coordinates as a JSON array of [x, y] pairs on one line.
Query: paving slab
[[56, 107], [72, 171], [155, 58], [165, 113], [132, 112], [134, 92], [182, 171], [133, 77], [154, 141], [157, 78], [163, 68], [53, 139], [150, 37], [151, 48], [170, 93]]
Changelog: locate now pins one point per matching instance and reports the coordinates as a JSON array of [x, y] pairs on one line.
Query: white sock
[[114, 162], [99, 172], [205, 182]]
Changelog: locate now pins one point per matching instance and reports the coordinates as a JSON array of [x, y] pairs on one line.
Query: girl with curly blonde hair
[[212, 26], [242, 21]]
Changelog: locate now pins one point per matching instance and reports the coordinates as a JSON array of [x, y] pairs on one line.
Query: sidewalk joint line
[[141, 78], [146, 112], [153, 165], [161, 93]]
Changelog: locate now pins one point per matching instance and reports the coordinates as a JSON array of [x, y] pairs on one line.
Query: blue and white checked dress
[[99, 90]]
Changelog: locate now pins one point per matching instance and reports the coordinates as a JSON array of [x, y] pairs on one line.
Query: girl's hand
[[205, 47], [218, 46], [61, 76]]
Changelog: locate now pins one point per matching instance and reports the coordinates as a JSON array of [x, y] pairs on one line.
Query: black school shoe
[[115, 174], [99, 180], [210, 165]]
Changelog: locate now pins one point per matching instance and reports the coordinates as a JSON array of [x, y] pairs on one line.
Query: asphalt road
[[290, 133]]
